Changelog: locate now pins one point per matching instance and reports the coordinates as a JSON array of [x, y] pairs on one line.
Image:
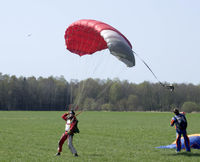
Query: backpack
[[181, 122], [76, 130]]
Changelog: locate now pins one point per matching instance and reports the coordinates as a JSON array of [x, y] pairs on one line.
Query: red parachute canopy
[[89, 36]]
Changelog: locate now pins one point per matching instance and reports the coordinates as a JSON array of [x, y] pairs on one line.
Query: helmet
[[72, 112], [176, 111]]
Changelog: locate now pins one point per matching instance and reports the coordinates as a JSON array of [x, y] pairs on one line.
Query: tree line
[[56, 93]]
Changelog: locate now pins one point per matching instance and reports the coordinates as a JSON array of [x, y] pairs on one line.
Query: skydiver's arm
[[172, 122], [64, 116]]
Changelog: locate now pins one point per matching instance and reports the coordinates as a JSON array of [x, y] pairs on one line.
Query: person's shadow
[[96, 155], [184, 154]]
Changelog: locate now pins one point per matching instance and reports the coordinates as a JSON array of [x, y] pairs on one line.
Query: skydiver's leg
[[70, 145], [186, 141], [178, 142], [61, 142]]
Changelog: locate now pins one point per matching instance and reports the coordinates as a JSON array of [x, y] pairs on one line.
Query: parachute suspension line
[[72, 99], [148, 67], [71, 94], [81, 92], [96, 63], [106, 87], [115, 73], [93, 65], [170, 87], [76, 102]]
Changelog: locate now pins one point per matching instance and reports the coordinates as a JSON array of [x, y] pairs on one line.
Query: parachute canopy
[[194, 142], [89, 36]]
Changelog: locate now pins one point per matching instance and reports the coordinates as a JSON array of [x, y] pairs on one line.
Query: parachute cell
[[89, 36]]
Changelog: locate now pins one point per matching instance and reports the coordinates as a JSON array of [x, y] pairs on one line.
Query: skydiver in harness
[[181, 124], [70, 129]]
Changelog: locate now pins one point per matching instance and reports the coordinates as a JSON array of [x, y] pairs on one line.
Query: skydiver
[[70, 129], [180, 124]]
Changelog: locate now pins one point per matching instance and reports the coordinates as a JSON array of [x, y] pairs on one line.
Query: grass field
[[104, 136]]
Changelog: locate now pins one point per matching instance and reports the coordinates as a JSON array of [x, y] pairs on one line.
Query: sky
[[166, 34]]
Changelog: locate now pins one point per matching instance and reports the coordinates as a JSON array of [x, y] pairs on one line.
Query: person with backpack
[[181, 125], [70, 129]]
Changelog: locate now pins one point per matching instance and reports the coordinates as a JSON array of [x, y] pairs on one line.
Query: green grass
[[104, 136]]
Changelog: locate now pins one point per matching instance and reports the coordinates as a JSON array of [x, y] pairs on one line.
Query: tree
[[190, 107], [132, 102], [107, 107], [55, 93], [89, 104], [115, 93]]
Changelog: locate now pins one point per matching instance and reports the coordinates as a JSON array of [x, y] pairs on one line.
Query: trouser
[[70, 144], [178, 140]]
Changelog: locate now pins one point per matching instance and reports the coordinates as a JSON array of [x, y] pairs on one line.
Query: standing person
[[180, 124], [70, 129]]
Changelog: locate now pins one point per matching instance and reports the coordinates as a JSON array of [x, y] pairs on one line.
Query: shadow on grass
[[96, 155], [184, 154]]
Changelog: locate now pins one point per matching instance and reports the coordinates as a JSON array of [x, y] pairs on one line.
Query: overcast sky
[[165, 33]]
